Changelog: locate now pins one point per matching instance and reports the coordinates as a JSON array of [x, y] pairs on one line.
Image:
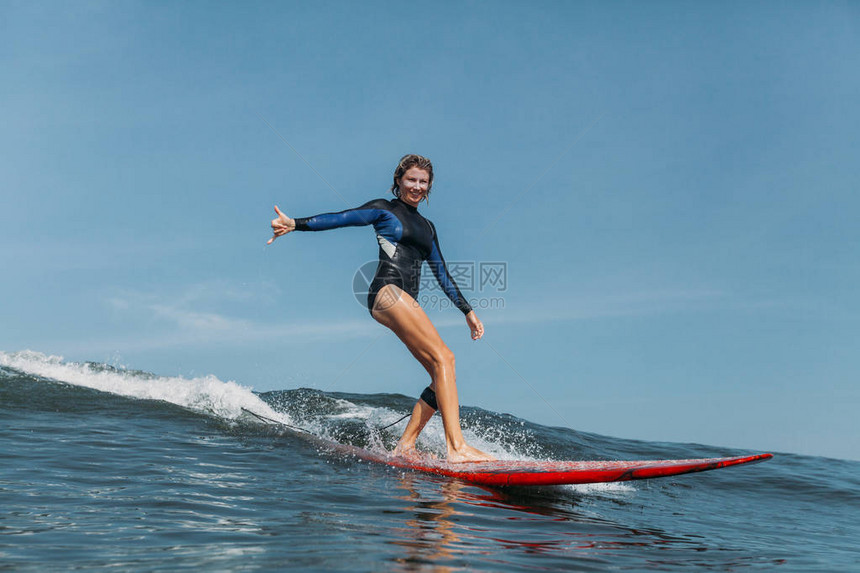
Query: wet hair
[[407, 162]]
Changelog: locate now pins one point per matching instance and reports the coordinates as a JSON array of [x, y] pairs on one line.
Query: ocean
[[105, 468]]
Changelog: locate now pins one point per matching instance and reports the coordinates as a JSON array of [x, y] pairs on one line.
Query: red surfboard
[[521, 473], [530, 473]]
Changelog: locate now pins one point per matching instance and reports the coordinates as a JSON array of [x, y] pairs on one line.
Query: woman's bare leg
[[399, 312], [421, 414]]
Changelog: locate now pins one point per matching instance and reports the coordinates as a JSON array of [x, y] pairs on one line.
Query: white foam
[[609, 489], [432, 438], [207, 395], [351, 411]]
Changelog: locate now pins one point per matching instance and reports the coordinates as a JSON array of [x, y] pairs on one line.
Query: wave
[[346, 418], [353, 418], [360, 420], [205, 395]]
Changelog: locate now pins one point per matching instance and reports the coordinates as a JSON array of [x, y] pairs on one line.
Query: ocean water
[[104, 468]]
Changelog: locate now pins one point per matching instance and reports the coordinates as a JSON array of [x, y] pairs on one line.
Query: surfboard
[[545, 473], [531, 473]]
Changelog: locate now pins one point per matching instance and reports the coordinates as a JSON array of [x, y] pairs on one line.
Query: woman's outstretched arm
[[367, 214]]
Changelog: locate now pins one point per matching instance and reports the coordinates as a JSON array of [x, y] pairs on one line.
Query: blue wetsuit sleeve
[[367, 214], [444, 278]]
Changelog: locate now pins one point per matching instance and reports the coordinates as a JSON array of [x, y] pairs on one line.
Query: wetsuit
[[406, 239]]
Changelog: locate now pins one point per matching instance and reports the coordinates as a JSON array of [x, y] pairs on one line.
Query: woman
[[406, 240]]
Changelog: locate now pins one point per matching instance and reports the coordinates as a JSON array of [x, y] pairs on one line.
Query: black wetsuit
[[406, 240]]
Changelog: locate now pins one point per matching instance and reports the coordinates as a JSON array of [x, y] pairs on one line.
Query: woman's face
[[414, 185]]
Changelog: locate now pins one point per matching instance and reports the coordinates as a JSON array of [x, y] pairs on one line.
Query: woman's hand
[[475, 325], [281, 226]]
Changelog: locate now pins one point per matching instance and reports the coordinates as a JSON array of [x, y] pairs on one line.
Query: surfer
[[406, 239]]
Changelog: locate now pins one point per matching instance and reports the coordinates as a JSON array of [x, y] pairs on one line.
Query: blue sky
[[667, 183]]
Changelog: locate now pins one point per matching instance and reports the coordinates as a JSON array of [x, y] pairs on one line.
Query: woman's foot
[[409, 451], [467, 453], [406, 450]]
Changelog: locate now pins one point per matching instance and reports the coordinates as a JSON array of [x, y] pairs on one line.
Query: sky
[[660, 193]]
